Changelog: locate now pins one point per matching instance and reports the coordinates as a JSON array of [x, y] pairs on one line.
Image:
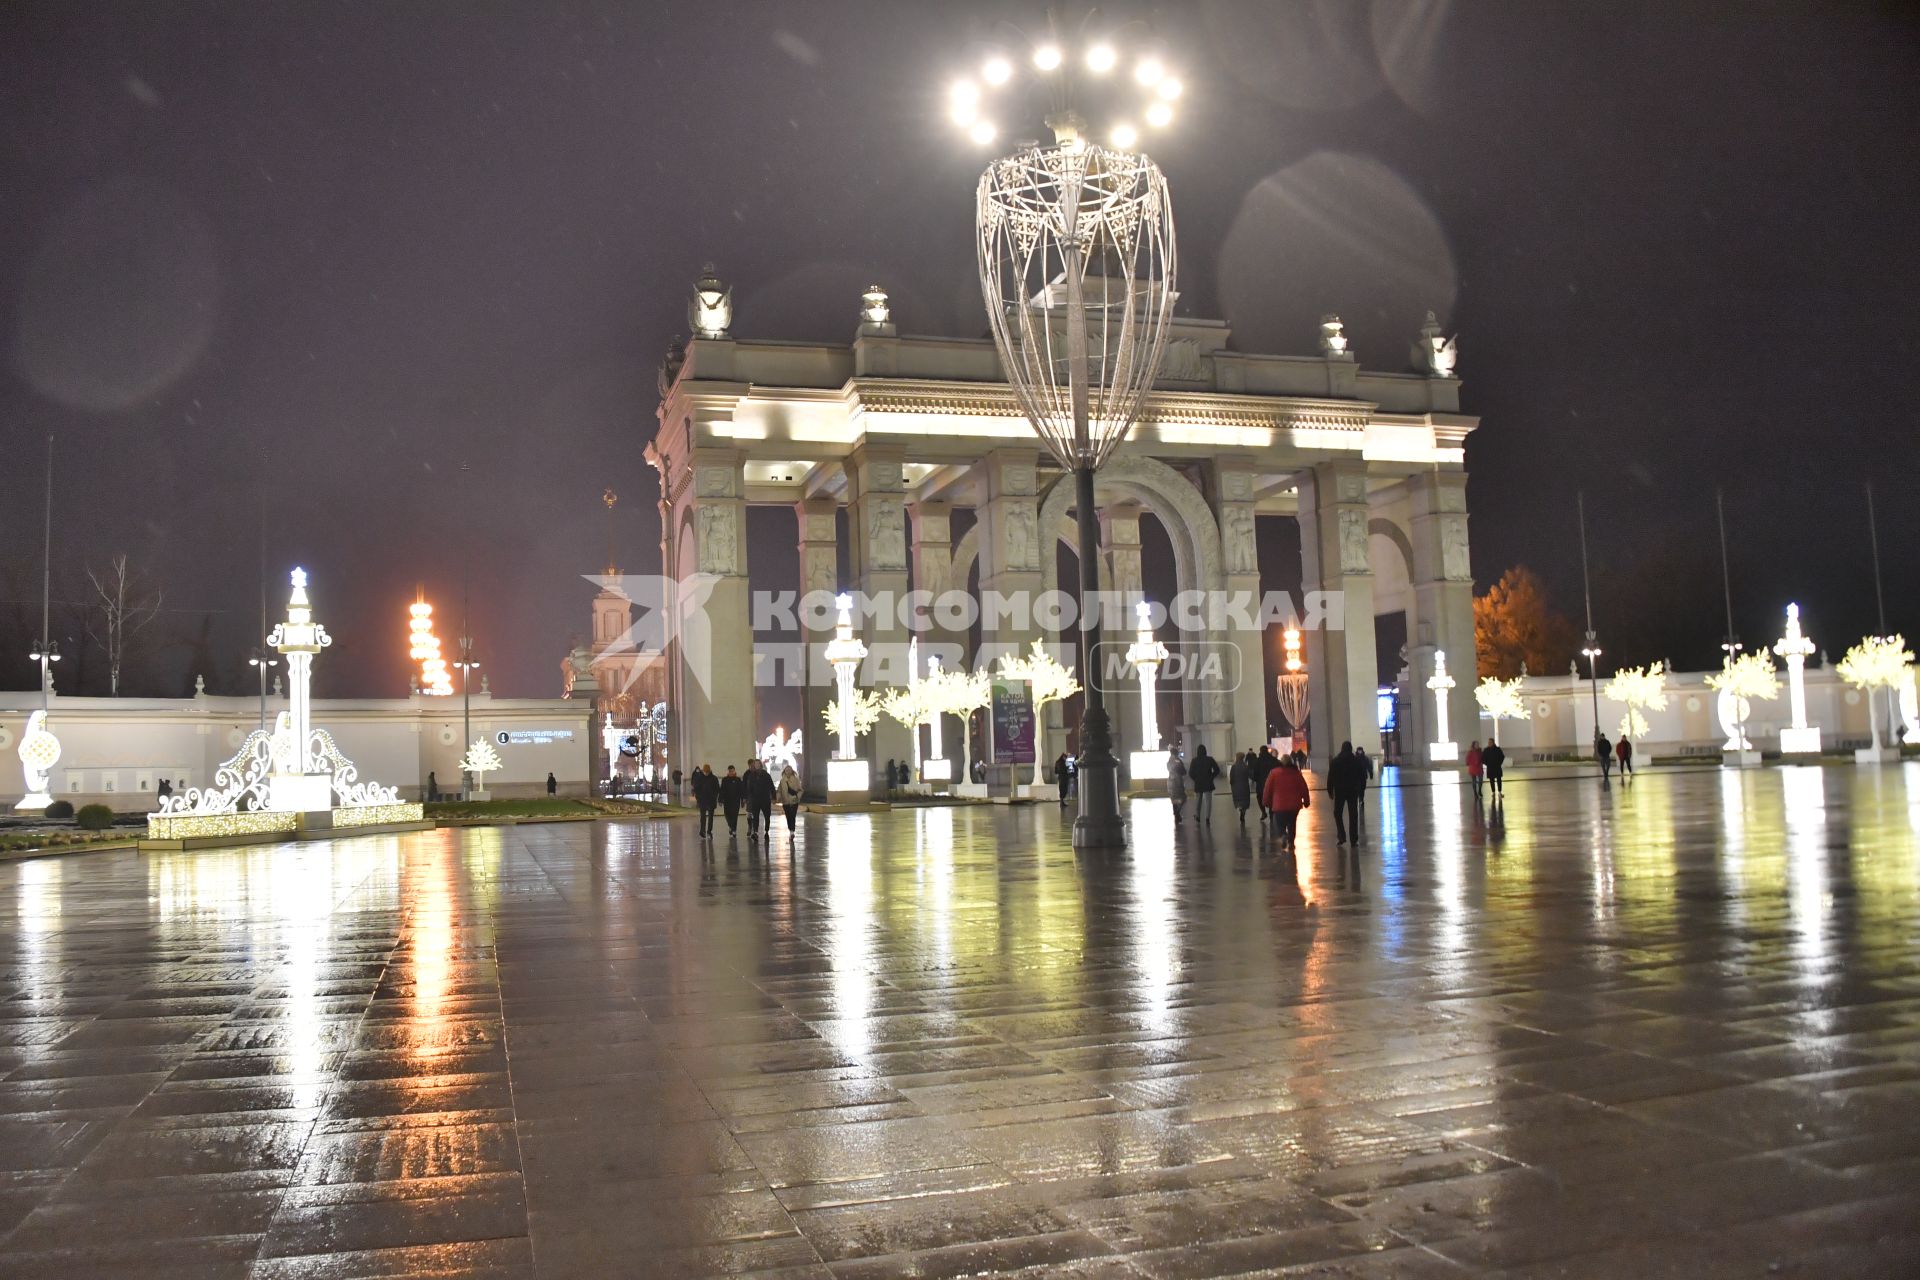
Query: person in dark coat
[[553, 787], [893, 777], [759, 788], [1203, 773], [1623, 752], [1264, 762], [706, 794], [1603, 751], [1346, 783], [731, 793], [1494, 761], [1240, 782], [1062, 779]]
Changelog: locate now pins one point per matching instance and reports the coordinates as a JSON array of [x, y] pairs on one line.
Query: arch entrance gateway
[[899, 431]]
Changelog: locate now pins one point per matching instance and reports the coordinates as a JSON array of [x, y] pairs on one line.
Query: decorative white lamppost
[[1443, 748], [1799, 738], [936, 767], [39, 748], [846, 772], [1146, 653], [1077, 270], [298, 638]]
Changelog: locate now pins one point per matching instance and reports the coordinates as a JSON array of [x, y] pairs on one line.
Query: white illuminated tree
[[866, 713], [1638, 689], [1501, 700], [1743, 679], [480, 760], [959, 693], [1050, 682], [911, 707], [1877, 662]]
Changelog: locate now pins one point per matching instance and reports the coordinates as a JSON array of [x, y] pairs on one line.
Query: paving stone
[[1624, 1032]]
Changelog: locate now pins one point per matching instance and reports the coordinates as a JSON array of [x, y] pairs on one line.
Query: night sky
[[322, 255]]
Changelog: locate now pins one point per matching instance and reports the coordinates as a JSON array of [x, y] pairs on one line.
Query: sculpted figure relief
[[719, 539], [1456, 565], [1353, 541], [1020, 548], [887, 535], [1237, 541]]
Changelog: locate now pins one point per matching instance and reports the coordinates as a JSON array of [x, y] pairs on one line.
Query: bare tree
[[127, 604]]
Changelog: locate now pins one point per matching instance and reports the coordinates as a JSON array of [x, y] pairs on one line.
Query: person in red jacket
[[1286, 794]]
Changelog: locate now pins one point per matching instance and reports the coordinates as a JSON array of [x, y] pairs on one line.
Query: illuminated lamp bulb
[[964, 113], [1168, 88], [1047, 57], [982, 132], [1124, 136], [1149, 72], [1160, 115], [997, 71], [1100, 59]]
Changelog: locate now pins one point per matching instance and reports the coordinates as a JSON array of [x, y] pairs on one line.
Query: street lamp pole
[[1044, 215], [1592, 651], [46, 650]]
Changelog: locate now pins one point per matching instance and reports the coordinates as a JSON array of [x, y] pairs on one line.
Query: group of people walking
[[1487, 767], [757, 790], [1277, 783]]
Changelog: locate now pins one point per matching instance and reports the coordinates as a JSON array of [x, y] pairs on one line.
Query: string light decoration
[[424, 648]]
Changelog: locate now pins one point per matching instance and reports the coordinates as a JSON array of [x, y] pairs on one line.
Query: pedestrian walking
[[1603, 750], [1263, 763], [1366, 760], [1286, 795], [1346, 783], [1494, 761], [706, 795], [1062, 780], [433, 787], [1623, 751], [759, 788], [789, 795], [1240, 783], [731, 793], [1203, 773], [1475, 762], [1176, 782], [553, 787], [892, 779]]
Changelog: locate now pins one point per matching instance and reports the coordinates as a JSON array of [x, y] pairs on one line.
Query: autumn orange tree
[[1515, 626]]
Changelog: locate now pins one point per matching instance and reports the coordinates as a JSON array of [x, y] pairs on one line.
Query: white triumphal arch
[[896, 432]]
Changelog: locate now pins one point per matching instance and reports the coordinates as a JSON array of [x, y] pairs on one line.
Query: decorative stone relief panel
[[1237, 544], [1018, 480], [717, 530], [1352, 488], [1353, 540], [1021, 544], [1456, 564], [714, 482], [886, 534]]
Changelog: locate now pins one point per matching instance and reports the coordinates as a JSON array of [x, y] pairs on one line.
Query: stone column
[[1121, 575], [1010, 549], [1442, 612], [717, 712], [877, 522], [1342, 668], [933, 573], [819, 571], [1232, 485]]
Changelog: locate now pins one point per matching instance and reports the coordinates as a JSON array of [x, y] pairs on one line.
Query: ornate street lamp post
[[1077, 270]]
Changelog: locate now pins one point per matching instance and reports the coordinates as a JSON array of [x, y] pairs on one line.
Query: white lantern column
[[1146, 654], [936, 767], [1800, 738], [1443, 750], [298, 638], [847, 774]]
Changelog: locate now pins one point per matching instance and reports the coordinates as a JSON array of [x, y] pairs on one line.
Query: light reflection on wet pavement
[[1666, 1029]]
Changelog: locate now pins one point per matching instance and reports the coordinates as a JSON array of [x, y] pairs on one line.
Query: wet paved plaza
[[1664, 1030]]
